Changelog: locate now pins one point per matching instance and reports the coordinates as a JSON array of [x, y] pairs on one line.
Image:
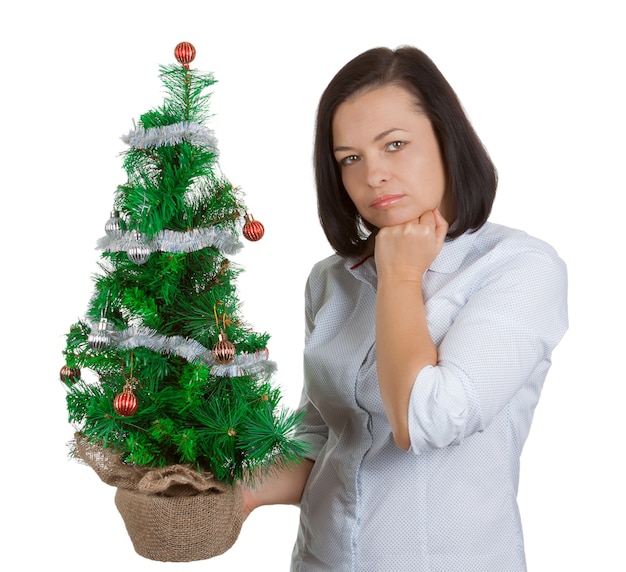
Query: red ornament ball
[[185, 53], [223, 351], [126, 403], [69, 374], [253, 230]]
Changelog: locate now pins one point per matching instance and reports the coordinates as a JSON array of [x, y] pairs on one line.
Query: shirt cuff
[[438, 410]]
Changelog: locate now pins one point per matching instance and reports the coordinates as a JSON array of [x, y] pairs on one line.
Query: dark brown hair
[[471, 178]]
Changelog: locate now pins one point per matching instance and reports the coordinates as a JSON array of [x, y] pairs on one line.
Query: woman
[[428, 337]]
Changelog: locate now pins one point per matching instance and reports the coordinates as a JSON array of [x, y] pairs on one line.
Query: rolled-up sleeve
[[500, 341], [438, 409]]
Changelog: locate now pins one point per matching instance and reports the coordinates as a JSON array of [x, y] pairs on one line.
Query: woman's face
[[389, 157]]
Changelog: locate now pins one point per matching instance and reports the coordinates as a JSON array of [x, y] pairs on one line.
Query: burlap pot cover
[[181, 528], [172, 514]]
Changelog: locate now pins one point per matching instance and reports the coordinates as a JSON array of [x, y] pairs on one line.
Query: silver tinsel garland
[[174, 241], [191, 350], [194, 133]]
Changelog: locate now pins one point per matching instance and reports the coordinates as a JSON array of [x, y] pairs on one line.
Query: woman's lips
[[385, 201]]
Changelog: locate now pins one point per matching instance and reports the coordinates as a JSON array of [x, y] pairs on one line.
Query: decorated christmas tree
[[181, 402]]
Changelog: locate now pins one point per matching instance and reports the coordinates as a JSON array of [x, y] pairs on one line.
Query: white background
[[541, 81]]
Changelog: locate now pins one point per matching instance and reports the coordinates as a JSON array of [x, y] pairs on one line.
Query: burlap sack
[[173, 514]]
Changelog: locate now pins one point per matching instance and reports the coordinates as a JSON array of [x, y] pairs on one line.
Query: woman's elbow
[[402, 439]]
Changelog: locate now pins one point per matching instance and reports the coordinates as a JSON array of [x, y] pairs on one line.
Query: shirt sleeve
[[312, 429], [500, 341]]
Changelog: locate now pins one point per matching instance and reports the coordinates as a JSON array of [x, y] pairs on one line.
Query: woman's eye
[[349, 160], [395, 145]]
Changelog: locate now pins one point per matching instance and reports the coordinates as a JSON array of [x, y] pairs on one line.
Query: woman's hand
[[405, 251]]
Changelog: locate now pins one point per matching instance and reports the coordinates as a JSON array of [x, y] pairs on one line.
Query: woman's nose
[[377, 172]]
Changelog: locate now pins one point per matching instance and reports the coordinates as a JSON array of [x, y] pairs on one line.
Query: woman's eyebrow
[[376, 139], [387, 132]]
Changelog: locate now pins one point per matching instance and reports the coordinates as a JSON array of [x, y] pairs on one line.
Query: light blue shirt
[[496, 303]]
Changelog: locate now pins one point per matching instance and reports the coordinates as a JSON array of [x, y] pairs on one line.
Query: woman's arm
[[403, 343], [281, 486], [499, 343]]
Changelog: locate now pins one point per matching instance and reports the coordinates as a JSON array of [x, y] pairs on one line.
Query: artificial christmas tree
[[183, 408]]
